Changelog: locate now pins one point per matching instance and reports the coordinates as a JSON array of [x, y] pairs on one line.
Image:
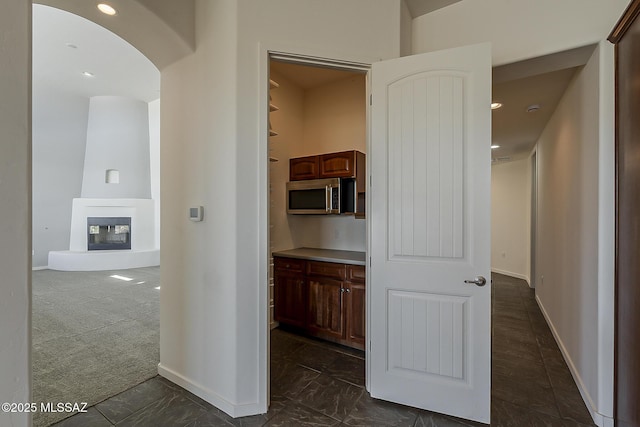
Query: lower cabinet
[[326, 300], [356, 302], [290, 292], [326, 308]]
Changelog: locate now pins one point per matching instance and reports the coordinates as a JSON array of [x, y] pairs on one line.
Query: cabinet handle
[[342, 290], [348, 290]]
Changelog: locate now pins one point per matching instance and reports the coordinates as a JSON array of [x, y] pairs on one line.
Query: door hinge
[[370, 99], [369, 262]]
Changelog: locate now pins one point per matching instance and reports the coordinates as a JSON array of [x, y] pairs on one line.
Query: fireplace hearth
[[108, 233]]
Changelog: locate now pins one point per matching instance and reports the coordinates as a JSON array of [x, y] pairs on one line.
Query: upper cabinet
[[339, 165], [345, 164], [304, 168]]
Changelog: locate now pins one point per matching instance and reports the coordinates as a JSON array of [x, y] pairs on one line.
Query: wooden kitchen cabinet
[[334, 299], [326, 290], [338, 165], [290, 292], [344, 164], [325, 315], [355, 306], [304, 168]]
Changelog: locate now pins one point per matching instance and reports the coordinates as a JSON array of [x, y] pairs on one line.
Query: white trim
[[43, 267], [292, 54], [598, 418], [512, 274], [603, 420], [210, 396], [606, 229]]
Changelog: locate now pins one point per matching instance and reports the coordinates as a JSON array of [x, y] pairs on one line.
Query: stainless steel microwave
[[330, 196]]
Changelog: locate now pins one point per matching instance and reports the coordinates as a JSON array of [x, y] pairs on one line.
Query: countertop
[[326, 255]]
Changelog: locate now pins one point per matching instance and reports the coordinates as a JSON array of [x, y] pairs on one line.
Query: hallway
[[317, 384]]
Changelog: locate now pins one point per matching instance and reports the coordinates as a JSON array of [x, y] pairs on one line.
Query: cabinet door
[[290, 298], [355, 303], [338, 165], [355, 314], [303, 168], [325, 307]]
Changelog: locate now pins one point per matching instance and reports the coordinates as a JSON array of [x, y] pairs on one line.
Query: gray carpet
[[93, 335]]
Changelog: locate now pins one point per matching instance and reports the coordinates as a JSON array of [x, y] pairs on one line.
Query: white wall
[[214, 152], [117, 138], [511, 218], [575, 186], [517, 29], [59, 139], [289, 123], [335, 117], [154, 162], [15, 209]]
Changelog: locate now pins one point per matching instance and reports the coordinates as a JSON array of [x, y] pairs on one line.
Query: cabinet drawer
[[289, 264], [328, 269], [356, 273]]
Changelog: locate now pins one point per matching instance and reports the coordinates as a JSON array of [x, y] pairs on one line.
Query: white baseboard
[[599, 419], [602, 420], [512, 274], [231, 409], [44, 267]]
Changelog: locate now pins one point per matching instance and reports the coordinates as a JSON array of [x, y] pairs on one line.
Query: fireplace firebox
[[108, 233]]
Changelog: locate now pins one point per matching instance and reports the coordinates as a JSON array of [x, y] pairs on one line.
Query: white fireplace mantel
[[144, 250]]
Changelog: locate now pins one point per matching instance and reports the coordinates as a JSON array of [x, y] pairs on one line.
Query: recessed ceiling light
[[106, 9], [87, 74], [493, 147], [71, 45], [533, 108], [495, 105]]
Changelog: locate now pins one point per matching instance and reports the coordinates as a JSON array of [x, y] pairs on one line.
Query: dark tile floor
[[319, 384]]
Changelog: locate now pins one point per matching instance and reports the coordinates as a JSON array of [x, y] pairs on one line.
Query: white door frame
[[298, 56]]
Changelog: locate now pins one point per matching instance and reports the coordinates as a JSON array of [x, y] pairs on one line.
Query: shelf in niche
[[272, 107], [273, 84], [273, 133], [273, 159]]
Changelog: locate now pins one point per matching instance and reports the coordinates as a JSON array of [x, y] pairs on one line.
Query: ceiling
[[307, 77], [119, 69], [422, 7]]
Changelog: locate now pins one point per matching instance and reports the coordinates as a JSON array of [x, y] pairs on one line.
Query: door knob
[[479, 280]]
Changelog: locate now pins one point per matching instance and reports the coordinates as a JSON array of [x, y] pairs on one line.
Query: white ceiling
[[307, 77], [119, 69], [513, 128], [421, 7]]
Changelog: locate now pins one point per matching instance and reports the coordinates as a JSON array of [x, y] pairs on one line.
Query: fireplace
[[108, 233]]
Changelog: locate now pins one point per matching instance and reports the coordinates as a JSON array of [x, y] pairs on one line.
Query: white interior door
[[430, 164]]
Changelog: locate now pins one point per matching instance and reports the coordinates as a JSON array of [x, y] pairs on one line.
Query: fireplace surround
[[108, 233], [143, 246]]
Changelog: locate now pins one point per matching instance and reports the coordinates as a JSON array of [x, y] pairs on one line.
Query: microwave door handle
[[328, 198]]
